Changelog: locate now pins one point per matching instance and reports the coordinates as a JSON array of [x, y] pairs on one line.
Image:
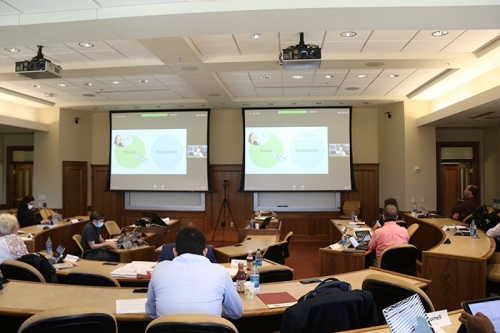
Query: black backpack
[[325, 285], [42, 264], [483, 219]]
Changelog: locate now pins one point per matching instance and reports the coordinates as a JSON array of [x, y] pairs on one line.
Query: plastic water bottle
[[258, 258], [344, 240], [415, 210], [473, 229], [255, 276], [48, 247], [353, 216]]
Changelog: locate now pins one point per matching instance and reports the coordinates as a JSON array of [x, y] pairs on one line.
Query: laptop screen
[[58, 254], [488, 306]]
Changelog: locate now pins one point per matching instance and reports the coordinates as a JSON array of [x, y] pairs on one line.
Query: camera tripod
[[222, 212]]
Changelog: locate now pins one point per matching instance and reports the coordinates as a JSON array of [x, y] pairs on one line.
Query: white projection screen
[[159, 151], [297, 149]]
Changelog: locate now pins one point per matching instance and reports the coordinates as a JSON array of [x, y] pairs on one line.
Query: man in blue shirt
[[191, 284]]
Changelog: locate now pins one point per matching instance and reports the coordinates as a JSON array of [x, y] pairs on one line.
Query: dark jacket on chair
[[331, 311]]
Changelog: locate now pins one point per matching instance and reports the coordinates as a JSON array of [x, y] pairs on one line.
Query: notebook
[[487, 306], [407, 315]]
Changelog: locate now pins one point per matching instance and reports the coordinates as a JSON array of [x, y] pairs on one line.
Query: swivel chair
[[84, 277], [78, 240], [350, 206], [191, 323], [401, 258], [275, 273], [112, 228], [18, 270]]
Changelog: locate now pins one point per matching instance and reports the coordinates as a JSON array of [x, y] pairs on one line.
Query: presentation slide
[[159, 151], [306, 149]]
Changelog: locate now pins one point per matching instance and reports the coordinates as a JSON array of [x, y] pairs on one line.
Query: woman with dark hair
[[25, 215]]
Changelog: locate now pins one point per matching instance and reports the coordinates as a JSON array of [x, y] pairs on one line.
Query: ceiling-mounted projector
[[301, 56], [38, 67]]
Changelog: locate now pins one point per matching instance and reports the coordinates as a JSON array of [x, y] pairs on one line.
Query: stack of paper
[[139, 269]]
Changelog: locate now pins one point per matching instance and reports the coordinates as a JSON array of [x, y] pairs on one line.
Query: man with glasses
[[96, 248]]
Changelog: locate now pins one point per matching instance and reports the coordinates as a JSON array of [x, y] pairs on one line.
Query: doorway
[[19, 178], [457, 166]]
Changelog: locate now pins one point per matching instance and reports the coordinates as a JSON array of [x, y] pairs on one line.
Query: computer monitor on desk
[[154, 218]]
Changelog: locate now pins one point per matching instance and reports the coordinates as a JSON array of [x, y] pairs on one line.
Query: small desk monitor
[[155, 219]]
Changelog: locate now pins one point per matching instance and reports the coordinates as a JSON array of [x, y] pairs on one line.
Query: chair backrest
[[467, 218], [78, 240], [401, 258], [275, 273], [401, 223], [18, 270], [71, 319], [112, 228], [286, 247], [388, 290], [191, 323], [46, 213], [81, 276], [275, 252], [412, 229], [351, 206]]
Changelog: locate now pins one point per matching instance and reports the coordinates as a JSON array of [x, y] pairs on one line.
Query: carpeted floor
[[304, 258]]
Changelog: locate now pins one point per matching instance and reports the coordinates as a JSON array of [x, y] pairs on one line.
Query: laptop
[[363, 235], [408, 315], [488, 306], [460, 230], [57, 255], [126, 242]]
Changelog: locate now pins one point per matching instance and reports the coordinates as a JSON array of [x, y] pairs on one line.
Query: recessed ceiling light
[[394, 75], [12, 49], [87, 84], [61, 84], [86, 44], [297, 77], [361, 76], [256, 35], [35, 86], [329, 76], [115, 82], [267, 77], [348, 34], [440, 33]]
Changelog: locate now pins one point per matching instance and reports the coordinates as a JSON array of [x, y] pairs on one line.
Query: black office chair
[[191, 323], [401, 258], [388, 290], [71, 319], [275, 273], [18, 270], [279, 252], [85, 277]]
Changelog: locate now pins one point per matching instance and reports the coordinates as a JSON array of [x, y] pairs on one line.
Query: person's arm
[[232, 307], [150, 306], [494, 232], [103, 244], [477, 323]]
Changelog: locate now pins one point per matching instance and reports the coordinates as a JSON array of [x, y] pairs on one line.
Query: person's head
[[470, 191], [251, 137], [27, 203], [118, 139], [190, 240], [97, 218], [8, 224], [341, 148], [391, 212], [391, 201]]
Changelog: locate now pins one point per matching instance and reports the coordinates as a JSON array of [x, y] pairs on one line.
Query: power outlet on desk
[[232, 224]]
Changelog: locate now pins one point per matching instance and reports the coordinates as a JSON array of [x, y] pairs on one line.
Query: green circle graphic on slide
[[127, 157], [263, 155]]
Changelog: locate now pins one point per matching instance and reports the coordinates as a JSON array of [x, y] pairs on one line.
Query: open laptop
[[363, 235], [488, 306], [57, 255], [460, 230], [126, 241]]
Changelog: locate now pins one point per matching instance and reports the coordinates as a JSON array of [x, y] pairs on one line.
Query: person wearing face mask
[[25, 215], [96, 248], [468, 206]]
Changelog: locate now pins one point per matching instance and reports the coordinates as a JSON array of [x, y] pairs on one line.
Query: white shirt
[[192, 284], [494, 232], [12, 247]]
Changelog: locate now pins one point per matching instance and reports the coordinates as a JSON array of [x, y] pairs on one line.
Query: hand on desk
[[112, 245], [45, 222], [478, 323]]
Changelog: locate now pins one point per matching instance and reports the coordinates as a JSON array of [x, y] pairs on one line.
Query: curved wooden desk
[[251, 243], [458, 269]]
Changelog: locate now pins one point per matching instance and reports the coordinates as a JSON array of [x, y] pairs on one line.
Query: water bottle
[[48, 247], [415, 210], [255, 276], [344, 240], [252, 224], [473, 229], [352, 216], [258, 258]]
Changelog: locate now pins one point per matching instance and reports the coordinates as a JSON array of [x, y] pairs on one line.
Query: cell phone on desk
[[110, 263], [307, 281]]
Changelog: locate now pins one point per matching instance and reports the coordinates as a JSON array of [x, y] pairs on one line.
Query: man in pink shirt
[[389, 234]]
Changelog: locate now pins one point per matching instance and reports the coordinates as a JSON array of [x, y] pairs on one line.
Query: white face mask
[[30, 206]]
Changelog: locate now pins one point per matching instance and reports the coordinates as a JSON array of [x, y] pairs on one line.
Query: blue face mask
[[100, 224]]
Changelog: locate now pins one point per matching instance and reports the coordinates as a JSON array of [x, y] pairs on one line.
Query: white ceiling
[[198, 54]]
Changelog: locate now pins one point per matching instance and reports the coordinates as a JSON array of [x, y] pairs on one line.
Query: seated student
[[12, 247], [25, 215], [167, 250], [96, 248], [468, 206], [190, 284], [389, 234]]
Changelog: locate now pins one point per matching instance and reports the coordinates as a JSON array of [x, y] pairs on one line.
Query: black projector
[[302, 57]]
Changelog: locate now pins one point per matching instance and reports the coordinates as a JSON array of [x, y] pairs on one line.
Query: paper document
[[135, 269], [136, 305]]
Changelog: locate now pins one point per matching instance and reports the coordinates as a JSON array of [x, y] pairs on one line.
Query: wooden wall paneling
[[108, 202], [74, 188], [367, 190]]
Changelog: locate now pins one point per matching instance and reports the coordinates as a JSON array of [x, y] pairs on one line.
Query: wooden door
[[74, 188], [19, 174], [449, 187]]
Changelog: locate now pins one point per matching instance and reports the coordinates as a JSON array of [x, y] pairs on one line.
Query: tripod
[[222, 212]]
